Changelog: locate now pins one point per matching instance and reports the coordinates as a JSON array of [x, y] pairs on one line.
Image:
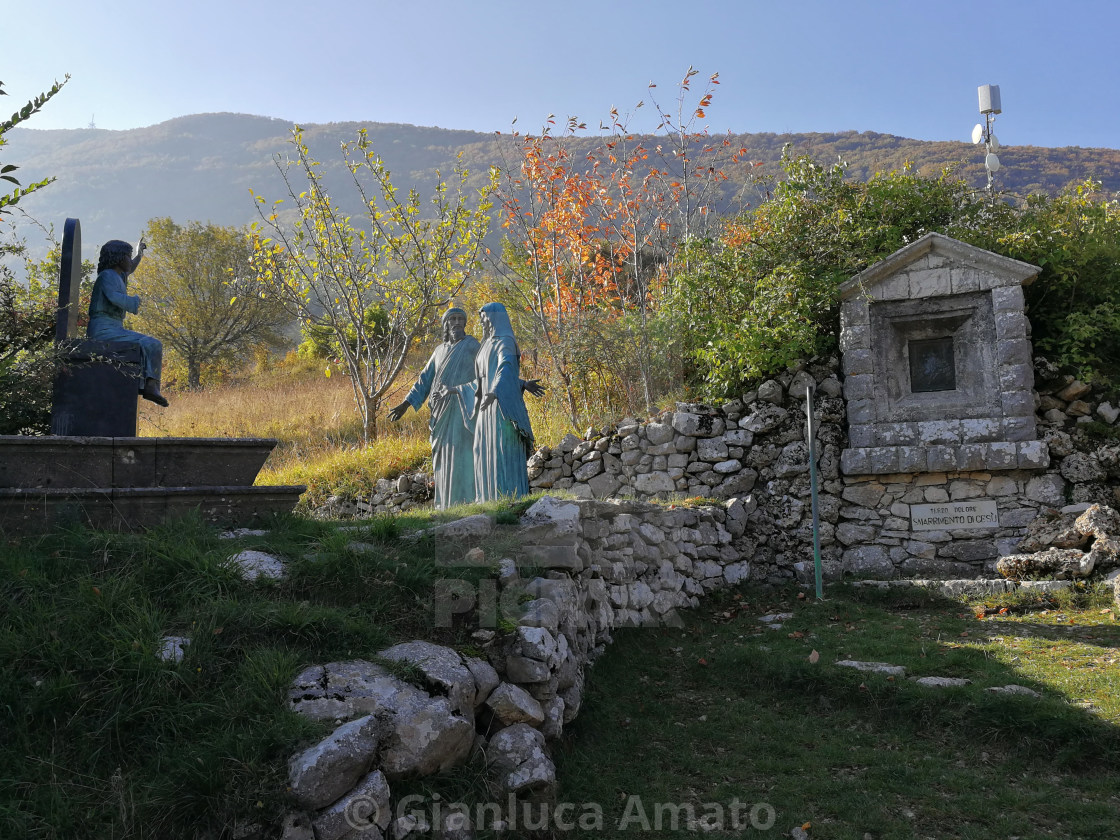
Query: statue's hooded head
[[454, 322], [115, 254], [495, 320]]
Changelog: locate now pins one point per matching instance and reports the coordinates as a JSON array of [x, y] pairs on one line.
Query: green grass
[[101, 739], [726, 708]]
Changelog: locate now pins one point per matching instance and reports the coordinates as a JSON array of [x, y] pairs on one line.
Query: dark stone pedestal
[[96, 389], [128, 483]]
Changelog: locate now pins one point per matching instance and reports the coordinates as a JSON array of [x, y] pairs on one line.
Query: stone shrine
[[939, 389], [937, 362]]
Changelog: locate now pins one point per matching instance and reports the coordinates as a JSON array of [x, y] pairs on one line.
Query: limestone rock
[[252, 565], [653, 482], [296, 826], [553, 726], [345, 690], [455, 824], [1081, 468], [520, 765], [771, 392], [173, 648], [550, 520], [441, 667], [511, 704], [1048, 489], [364, 812], [1074, 391], [1020, 690], [426, 737], [1052, 531], [1100, 521], [874, 667], [1060, 563], [942, 682], [869, 561], [936, 569], [470, 527], [486, 679], [658, 433], [320, 774], [522, 669], [1105, 554], [764, 418], [541, 612], [1107, 413]]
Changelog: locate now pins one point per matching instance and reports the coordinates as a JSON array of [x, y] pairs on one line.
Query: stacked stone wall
[[583, 569], [754, 449]]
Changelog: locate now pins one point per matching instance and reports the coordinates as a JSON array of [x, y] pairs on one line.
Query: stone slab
[[29, 510], [99, 461], [974, 513]]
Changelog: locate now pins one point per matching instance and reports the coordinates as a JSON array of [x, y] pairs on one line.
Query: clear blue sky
[[894, 66]]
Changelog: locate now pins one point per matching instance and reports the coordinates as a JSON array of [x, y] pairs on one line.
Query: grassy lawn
[[99, 738], [728, 709]]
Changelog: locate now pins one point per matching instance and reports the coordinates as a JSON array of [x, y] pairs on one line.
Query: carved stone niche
[[937, 362]]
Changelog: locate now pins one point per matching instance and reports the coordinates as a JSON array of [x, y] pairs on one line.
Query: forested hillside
[[202, 167]]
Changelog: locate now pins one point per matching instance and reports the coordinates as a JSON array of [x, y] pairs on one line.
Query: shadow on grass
[[727, 707]]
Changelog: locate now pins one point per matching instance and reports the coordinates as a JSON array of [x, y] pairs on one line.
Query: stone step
[[92, 462], [33, 509]]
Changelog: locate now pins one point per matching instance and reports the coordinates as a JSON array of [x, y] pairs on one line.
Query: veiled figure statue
[[503, 437], [450, 423]]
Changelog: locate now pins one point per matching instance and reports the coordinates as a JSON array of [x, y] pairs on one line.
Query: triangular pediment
[[935, 252]]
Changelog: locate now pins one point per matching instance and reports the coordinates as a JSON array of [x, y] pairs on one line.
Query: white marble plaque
[[949, 516]]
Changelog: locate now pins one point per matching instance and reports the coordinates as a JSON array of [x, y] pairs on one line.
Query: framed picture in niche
[[932, 365]]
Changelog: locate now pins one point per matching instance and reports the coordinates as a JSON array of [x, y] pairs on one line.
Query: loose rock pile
[[1075, 543], [389, 496]]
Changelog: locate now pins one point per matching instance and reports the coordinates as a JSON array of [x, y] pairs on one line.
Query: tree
[[200, 295], [403, 262], [9, 200], [1074, 304], [762, 293], [590, 233], [27, 360]]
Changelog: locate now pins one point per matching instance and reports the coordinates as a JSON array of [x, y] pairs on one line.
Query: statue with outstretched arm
[[110, 302], [447, 384]]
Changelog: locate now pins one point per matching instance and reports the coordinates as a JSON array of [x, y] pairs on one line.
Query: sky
[[891, 66]]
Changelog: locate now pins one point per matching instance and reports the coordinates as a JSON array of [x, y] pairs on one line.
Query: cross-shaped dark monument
[[95, 390]]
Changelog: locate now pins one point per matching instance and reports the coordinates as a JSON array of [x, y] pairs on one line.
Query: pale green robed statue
[[448, 384], [450, 425], [503, 436]]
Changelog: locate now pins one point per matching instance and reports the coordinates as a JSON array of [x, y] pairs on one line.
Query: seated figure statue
[[108, 305]]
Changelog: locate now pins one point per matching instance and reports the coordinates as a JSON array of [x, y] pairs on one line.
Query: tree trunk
[[194, 374]]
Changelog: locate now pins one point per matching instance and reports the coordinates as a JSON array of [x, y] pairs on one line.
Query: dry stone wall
[[753, 450], [596, 566]]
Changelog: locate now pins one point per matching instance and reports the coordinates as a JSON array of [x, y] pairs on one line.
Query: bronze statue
[[108, 305]]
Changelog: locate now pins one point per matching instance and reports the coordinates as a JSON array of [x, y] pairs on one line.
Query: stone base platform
[[130, 483]]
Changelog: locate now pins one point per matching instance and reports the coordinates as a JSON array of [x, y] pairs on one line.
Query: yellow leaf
[[233, 300]]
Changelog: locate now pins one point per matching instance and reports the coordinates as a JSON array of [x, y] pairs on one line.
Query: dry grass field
[[314, 419]]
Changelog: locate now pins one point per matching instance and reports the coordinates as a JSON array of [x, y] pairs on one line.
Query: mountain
[[202, 167]]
